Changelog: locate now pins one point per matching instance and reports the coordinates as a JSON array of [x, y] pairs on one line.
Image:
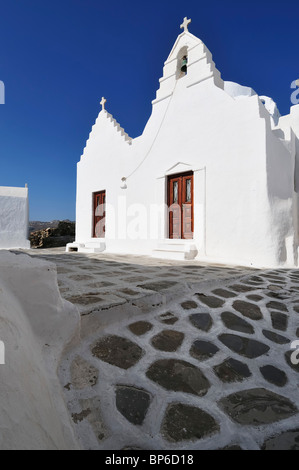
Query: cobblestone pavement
[[178, 355]]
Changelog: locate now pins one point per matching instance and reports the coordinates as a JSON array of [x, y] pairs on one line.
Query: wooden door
[[99, 214], [180, 206]]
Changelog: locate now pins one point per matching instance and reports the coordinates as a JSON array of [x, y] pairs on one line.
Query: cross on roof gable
[[185, 24]]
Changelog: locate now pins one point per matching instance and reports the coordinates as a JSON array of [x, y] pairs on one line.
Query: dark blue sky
[[58, 58]]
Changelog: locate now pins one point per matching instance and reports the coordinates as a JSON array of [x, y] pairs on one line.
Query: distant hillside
[[52, 236], [35, 225]]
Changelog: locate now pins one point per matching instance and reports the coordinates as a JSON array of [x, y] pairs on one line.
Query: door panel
[[187, 206], [175, 207], [99, 214], [180, 206]]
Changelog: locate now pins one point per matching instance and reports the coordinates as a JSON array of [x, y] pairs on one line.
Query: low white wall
[[36, 324], [14, 217]]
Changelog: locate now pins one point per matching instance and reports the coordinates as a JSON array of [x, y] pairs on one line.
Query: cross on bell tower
[[103, 101], [185, 24]]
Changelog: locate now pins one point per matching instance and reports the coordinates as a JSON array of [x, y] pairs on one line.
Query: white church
[[213, 177]]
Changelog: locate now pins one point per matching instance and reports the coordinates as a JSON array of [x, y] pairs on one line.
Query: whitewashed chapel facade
[[214, 175]]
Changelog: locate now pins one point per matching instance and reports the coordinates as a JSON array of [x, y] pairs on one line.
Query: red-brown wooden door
[[99, 214], [180, 205]]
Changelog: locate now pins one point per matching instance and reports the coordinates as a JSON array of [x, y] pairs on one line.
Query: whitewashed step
[[175, 255], [94, 244], [90, 247], [91, 250], [177, 251], [172, 247], [73, 246]]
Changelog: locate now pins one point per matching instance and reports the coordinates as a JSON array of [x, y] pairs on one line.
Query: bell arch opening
[[182, 62]]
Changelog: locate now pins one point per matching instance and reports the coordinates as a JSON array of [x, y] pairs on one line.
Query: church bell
[[184, 64]]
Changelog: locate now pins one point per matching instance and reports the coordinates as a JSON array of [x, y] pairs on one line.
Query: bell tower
[[189, 60]]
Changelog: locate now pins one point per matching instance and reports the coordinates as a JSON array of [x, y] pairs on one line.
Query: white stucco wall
[[14, 217], [243, 194], [36, 324]]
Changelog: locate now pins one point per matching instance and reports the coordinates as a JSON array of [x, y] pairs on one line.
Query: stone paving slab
[[200, 359]]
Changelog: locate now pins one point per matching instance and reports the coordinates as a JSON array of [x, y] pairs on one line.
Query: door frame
[[180, 203], [94, 196]]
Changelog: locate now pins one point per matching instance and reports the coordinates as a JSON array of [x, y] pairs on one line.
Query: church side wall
[[294, 123], [282, 199], [99, 169]]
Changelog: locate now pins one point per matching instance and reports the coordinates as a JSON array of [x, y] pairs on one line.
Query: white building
[[14, 217], [214, 152]]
